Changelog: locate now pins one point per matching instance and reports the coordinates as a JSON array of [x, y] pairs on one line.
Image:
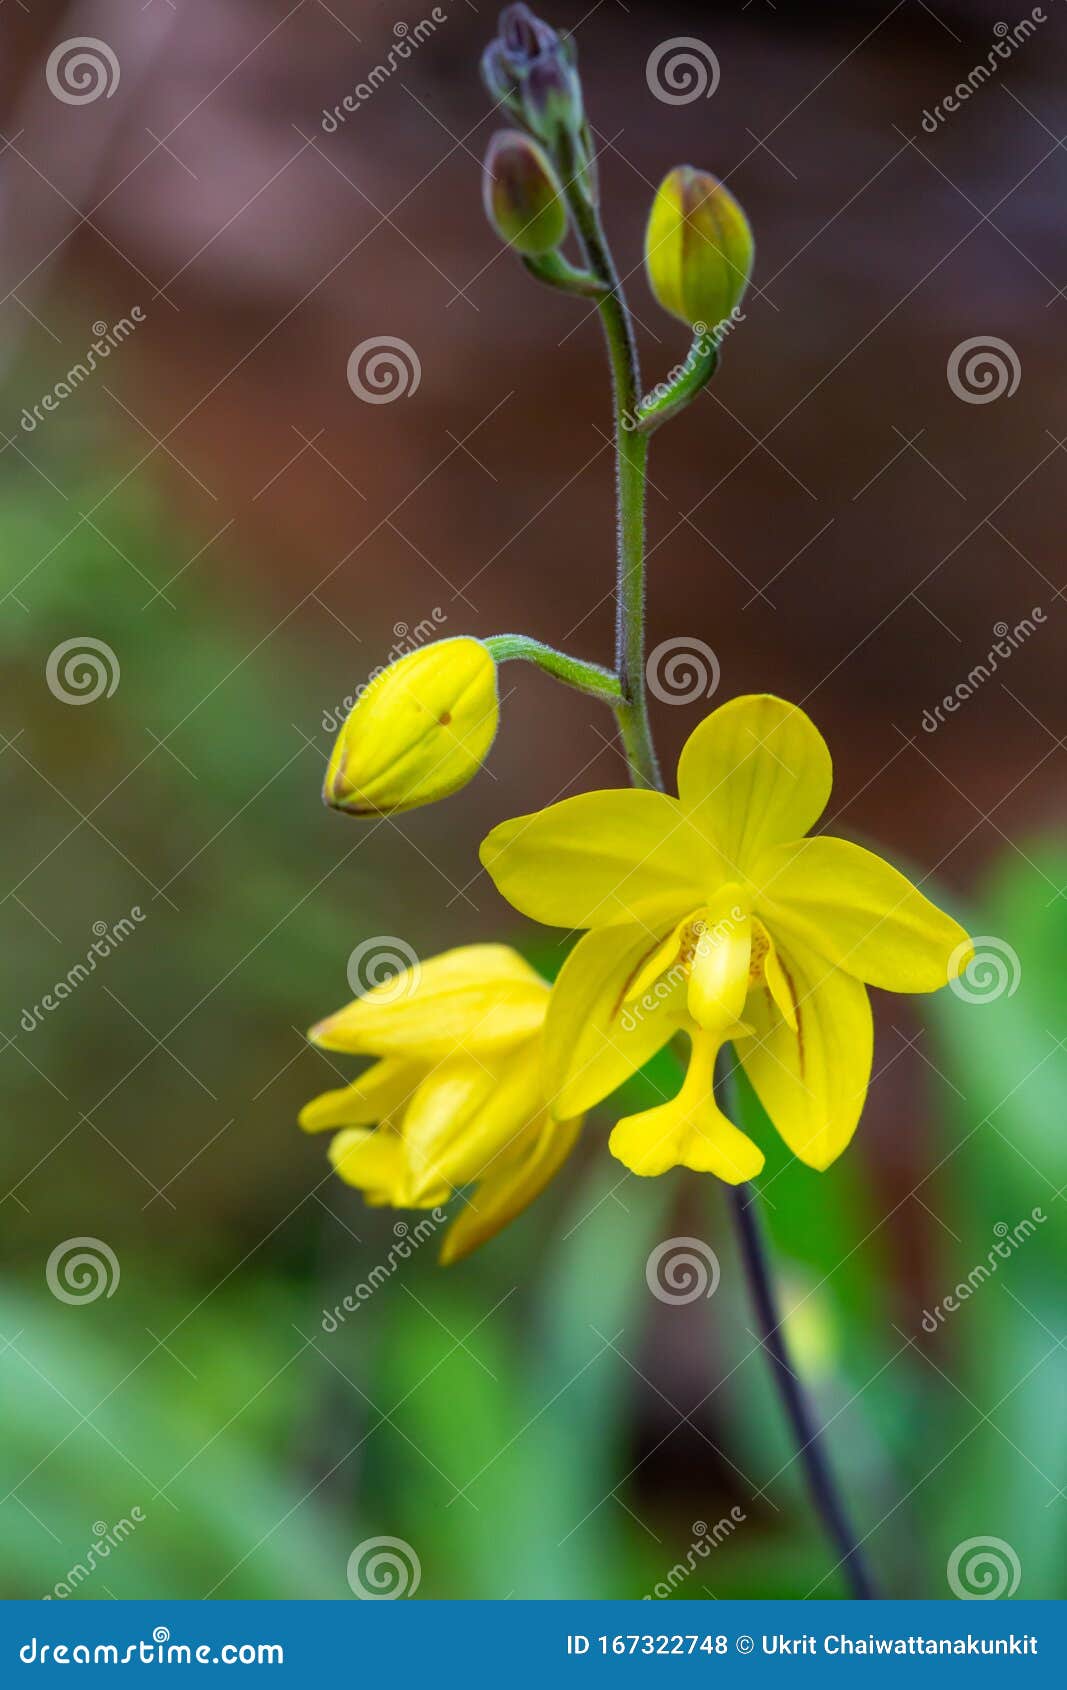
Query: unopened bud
[[530, 70], [420, 731], [523, 198], [698, 247]]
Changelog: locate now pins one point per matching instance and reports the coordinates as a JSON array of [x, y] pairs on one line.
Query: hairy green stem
[[631, 461], [589, 678]]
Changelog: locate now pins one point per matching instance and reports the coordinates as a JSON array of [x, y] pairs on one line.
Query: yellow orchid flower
[[711, 913], [455, 1096]]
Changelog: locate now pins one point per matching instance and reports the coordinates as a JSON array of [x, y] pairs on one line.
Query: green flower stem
[[589, 678], [795, 1400], [631, 462], [556, 272], [700, 365]]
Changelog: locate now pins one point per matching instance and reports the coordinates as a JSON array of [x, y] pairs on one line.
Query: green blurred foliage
[[534, 1422]]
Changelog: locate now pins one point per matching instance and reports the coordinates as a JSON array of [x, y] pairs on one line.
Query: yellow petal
[[812, 1080], [860, 913], [755, 773], [690, 1131], [505, 1194], [384, 1088], [420, 730], [594, 1037], [774, 974], [466, 1118], [718, 979], [478, 997], [373, 1160], [600, 858]]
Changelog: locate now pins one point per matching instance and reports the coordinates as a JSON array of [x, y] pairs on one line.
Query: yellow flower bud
[[420, 731], [698, 247], [523, 198]]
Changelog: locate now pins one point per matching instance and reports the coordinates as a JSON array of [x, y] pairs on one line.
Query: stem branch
[[590, 678]]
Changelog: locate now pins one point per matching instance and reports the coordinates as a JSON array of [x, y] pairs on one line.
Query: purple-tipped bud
[[523, 198], [531, 71], [524, 35]]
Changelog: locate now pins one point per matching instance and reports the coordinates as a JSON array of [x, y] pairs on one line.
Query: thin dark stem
[[797, 1405]]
